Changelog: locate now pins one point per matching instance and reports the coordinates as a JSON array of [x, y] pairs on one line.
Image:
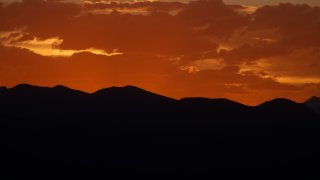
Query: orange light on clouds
[[46, 47], [247, 53]]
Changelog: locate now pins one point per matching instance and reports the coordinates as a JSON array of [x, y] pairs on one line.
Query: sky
[[240, 50], [243, 2], [272, 2]]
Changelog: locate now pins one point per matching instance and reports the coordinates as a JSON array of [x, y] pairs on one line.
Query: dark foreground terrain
[[127, 133]]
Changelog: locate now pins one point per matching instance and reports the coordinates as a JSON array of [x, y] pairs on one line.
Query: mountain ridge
[[133, 132], [135, 92], [314, 104]]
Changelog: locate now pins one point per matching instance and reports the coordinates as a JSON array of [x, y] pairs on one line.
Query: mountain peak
[[129, 93], [280, 105], [27, 88], [60, 87], [123, 89], [130, 87], [23, 86], [314, 104], [313, 98], [279, 102]]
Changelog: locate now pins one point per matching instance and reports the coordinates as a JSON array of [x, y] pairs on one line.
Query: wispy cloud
[[45, 47]]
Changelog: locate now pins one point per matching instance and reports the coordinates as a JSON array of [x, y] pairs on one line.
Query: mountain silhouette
[[129, 94], [127, 132], [284, 106], [3, 91], [217, 103], [314, 104]]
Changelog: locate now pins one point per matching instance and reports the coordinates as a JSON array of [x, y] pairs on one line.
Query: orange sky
[[203, 48]]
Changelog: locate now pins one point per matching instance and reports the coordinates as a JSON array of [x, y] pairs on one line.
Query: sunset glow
[[46, 47], [245, 51]]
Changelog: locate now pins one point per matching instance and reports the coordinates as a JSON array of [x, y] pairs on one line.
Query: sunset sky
[[245, 50]]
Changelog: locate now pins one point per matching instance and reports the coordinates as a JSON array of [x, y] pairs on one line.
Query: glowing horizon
[[246, 52]]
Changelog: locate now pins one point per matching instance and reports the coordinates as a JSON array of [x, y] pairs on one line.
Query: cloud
[[90, 72], [272, 2], [299, 67], [46, 47], [37, 15], [204, 64], [202, 48], [299, 25], [219, 19], [140, 7]]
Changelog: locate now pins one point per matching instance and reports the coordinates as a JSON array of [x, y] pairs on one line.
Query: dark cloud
[[156, 6], [156, 33], [247, 52], [38, 16], [220, 19], [298, 24]]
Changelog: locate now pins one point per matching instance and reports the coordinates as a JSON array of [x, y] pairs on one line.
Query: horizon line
[[126, 86]]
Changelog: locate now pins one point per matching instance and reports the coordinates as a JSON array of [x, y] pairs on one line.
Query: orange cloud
[[46, 47], [202, 48]]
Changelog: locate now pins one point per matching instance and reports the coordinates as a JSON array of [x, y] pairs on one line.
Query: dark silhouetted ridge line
[[127, 132]]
